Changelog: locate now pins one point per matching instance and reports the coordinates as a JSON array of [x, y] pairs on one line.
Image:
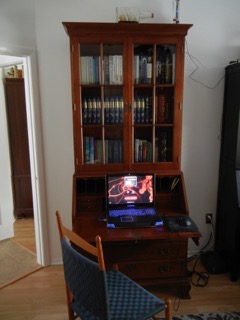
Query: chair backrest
[[85, 279]]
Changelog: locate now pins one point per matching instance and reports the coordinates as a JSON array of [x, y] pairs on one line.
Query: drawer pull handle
[[164, 252], [163, 269]]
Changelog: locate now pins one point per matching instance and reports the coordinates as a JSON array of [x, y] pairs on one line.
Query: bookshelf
[[127, 91]]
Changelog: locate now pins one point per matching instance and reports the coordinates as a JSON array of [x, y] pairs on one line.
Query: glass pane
[[113, 105], [114, 144], [91, 106], [165, 64], [113, 64], [143, 146], [92, 145], [163, 144], [143, 64], [164, 105], [90, 71], [142, 106]]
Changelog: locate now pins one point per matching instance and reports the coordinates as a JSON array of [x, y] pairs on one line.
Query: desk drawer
[[153, 269], [145, 250], [90, 203]]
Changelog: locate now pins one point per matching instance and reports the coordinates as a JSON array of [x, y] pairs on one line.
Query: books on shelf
[[161, 147], [142, 110], [142, 150], [113, 151], [93, 149], [113, 110], [164, 107], [143, 69], [91, 110], [113, 69], [90, 69], [165, 65]]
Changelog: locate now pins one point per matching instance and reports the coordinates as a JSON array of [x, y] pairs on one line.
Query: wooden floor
[[24, 233], [41, 296]]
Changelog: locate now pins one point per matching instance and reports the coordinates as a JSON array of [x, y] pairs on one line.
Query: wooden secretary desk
[[127, 91]]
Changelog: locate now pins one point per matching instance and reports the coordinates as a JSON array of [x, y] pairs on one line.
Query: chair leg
[[168, 309]]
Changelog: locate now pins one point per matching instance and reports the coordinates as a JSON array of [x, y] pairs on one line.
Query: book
[[89, 110], [121, 107], [99, 120], [106, 111], [86, 150], [111, 111], [136, 69], [162, 108], [142, 110], [94, 111], [84, 111], [91, 150], [136, 149]]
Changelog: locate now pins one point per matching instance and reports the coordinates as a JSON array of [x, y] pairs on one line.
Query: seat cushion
[[128, 300]]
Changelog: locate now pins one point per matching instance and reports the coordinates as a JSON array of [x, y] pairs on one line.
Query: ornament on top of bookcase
[[132, 14]]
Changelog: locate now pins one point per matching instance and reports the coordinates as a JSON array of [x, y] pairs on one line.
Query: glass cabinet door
[[153, 103], [102, 106]]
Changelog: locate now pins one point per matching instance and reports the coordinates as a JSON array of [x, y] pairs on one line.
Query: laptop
[[130, 201]]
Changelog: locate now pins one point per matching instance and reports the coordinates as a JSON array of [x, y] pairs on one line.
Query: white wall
[[6, 199], [212, 41]]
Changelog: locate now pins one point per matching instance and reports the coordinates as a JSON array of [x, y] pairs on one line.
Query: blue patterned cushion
[[101, 295], [129, 301], [87, 284]]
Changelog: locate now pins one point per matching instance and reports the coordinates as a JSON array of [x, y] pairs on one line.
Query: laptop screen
[[130, 190]]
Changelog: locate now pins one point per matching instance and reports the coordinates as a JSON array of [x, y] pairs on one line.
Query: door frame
[[35, 148]]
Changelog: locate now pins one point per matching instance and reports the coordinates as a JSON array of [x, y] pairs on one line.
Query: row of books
[[90, 67], [113, 69], [143, 149], [163, 109], [93, 150], [165, 66], [143, 109], [91, 110], [91, 73], [113, 110]]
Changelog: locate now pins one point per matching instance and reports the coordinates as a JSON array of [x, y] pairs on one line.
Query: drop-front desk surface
[[150, 256]]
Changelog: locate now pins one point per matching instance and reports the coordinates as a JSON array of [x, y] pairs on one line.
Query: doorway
[[35, 150]]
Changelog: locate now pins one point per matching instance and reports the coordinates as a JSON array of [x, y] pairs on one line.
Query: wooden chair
[[96, 294]]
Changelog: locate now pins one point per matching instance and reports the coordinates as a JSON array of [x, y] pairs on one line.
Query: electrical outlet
[[208, 218]]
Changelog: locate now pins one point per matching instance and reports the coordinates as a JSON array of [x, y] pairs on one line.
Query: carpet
[[209, 316], [15, 262]]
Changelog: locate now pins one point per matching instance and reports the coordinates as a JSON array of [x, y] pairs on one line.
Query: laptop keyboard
[[133, 212]]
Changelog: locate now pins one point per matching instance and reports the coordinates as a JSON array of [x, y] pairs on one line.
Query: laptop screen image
[[130, 200], [130, 189]]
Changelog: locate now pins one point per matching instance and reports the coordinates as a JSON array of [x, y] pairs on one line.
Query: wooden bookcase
[[127, 91]]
